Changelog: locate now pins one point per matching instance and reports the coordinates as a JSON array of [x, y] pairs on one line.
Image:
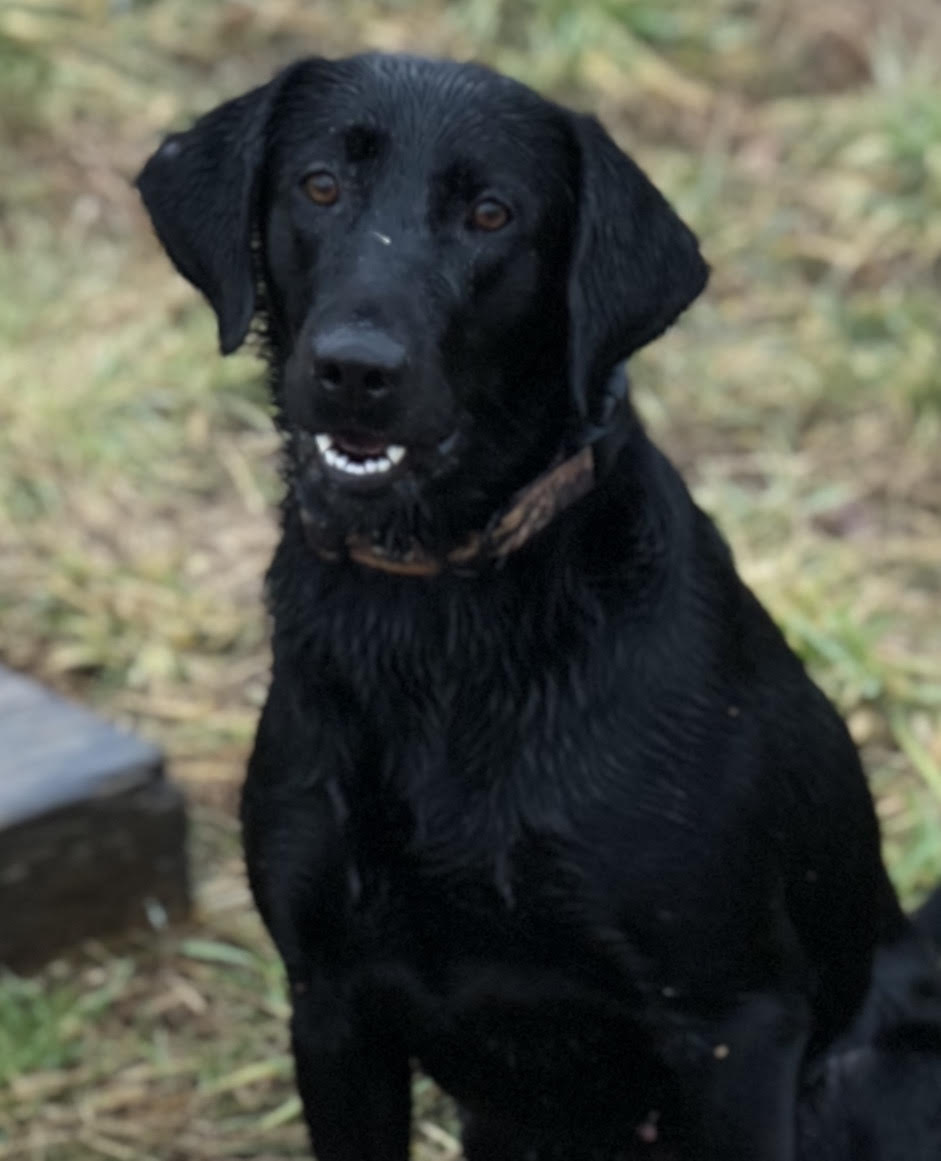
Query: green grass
[[802, 397]]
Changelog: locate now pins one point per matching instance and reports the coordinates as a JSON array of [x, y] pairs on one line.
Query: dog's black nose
[[359, 363]]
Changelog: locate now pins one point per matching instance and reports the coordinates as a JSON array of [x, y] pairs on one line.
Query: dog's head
[[448, 267]]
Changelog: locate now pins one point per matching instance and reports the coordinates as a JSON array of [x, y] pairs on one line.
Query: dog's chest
[[474, 917], [510, 849], [502, 986], [491, 825]]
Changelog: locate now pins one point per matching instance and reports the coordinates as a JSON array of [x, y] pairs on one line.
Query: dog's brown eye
[[322, 187], [489, 214]]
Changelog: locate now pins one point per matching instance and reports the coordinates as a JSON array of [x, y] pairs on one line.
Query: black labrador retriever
[[540, 798]]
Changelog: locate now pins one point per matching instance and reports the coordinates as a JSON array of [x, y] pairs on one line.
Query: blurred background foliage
[[801, 396]]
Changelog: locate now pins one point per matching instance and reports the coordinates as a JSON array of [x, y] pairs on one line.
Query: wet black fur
[[577, 834]]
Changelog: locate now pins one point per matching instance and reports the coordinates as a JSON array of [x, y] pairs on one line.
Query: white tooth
[[343, 463], [338, 460]]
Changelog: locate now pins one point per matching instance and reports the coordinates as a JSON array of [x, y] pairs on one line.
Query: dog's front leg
[[353, 1079], [749, 1092], [353, 1073]]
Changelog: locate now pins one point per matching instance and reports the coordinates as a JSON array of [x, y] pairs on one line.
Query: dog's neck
[[529, 511]]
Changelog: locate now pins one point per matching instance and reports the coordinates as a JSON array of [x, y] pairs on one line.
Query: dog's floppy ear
[[635, 266], [200, 191]]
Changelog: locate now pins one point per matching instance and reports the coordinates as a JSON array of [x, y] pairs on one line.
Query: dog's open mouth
[[363, 459]]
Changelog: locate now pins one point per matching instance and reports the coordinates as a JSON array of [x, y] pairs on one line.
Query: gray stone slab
[[53, 753], [92, 835]]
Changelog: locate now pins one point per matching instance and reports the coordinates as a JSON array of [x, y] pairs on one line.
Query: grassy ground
[[802, 396]]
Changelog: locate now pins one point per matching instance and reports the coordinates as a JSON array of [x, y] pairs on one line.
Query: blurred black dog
[[876, 1093], [540, 798]]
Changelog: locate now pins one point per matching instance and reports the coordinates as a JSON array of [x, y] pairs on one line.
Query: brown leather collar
[[530, 510]]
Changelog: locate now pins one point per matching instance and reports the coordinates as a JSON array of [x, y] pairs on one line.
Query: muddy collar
[[530, 510]]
